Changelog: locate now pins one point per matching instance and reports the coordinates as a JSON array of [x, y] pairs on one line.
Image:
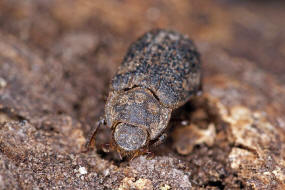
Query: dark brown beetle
[[160, 72]]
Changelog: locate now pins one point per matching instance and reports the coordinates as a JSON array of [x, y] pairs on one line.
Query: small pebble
[[3, 83], [106, 172], [82, 170], [165, 187]]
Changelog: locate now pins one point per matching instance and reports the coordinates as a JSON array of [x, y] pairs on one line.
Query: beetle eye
[[129, 137]]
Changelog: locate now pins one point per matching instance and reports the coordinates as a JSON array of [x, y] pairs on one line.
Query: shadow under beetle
[[160, 72]]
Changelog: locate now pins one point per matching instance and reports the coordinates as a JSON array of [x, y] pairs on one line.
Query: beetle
[[160, 72]]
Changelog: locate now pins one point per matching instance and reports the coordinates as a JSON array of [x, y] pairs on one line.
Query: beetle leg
[[144, 151], [138, 153], [91, 142], [149, 155], [120, 156]]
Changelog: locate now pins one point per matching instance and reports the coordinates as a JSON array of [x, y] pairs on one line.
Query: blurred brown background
[[252, 29], [56, 61]]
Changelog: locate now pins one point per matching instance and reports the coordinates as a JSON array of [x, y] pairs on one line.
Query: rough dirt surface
[[56, 61]]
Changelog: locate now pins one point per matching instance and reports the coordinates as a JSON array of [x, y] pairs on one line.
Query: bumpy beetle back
[[165, 62]]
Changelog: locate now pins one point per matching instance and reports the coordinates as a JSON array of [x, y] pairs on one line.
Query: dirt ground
[[58, 56]]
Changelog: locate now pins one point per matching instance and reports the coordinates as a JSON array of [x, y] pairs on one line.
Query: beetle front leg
[[91, 142], [143, 151]]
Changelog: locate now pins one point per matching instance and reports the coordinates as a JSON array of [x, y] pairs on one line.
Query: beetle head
[[130, 138], [135, 117]]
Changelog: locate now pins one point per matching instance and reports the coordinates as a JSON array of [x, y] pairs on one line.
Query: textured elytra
[[165, 62], [160, 72]]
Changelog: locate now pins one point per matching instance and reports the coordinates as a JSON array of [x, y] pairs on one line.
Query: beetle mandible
[[160, 72]]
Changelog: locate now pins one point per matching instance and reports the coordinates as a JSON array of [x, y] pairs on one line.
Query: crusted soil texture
[[56, 61]]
